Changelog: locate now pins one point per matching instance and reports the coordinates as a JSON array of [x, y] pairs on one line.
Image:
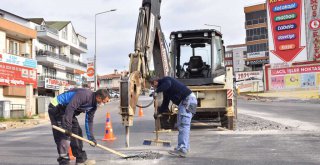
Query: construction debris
[[149, 155]]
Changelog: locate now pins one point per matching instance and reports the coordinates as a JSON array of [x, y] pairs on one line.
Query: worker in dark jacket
[[63, 110], [179, 94]]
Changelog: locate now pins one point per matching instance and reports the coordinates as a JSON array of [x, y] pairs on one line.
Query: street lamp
[[215, 26], [95, 45]]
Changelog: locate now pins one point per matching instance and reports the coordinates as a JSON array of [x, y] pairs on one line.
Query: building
[[235, 57], [58, 51], [18, 67], [256, 36], [111, 81]]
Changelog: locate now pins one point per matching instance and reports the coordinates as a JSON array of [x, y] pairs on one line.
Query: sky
[[116, 30]]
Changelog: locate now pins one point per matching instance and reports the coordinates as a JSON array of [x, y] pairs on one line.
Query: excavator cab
[[197, 56]]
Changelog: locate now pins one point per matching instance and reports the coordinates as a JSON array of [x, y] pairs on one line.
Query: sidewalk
[[301, 94], [21, 123]]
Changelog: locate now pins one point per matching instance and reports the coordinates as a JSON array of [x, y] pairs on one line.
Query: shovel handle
[[90, 142]]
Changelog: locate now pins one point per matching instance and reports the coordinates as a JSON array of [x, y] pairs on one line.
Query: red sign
[[295, 70], [14, 75], [55, 84], [285, 18]]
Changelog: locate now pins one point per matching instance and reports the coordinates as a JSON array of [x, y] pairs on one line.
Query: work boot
[[88, 162], [178, 152]]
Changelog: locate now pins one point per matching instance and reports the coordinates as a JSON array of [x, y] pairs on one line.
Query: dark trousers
[[62, 141]]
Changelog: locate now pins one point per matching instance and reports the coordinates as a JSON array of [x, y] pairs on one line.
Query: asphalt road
[[304, 116], [208, 146]]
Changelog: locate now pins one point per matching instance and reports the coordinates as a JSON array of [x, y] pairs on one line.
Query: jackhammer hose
[[146, 106]]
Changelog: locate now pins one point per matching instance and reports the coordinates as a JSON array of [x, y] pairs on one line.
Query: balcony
[[50, 58], [49, 35], [83, 45]]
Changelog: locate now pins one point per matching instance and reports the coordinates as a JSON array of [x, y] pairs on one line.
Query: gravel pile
[[145, 155], [249, 123]]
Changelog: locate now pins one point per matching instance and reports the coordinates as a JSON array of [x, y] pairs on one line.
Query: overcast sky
[[116, 30]]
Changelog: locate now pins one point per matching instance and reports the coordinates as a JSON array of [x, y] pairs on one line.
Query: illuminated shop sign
[[285, 17], [286, 37], [285, 7], [286, 27]]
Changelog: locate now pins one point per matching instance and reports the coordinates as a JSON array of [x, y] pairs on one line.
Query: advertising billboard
[[15, 75], [286, 28], [90, 70], [313, 28]]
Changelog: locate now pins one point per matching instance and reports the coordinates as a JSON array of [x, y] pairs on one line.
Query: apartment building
[[59, 49], [112, 81], [256, 36], [18, 67], [235, 57]]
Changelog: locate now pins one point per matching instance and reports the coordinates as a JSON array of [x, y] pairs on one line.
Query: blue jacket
[[173, 90], [78, 101]]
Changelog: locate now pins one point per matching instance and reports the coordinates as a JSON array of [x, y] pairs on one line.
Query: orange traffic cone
[[71, 155], [108, 133], [140, 111]]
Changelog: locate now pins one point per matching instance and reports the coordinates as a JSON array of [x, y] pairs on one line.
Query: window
[[256, 17], [65, 33], [14, 47], [52, 73], [257, 48], [70, 76], [256, 34], [74, 38]]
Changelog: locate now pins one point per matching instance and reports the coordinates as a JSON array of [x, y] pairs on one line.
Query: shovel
[[92, 143]]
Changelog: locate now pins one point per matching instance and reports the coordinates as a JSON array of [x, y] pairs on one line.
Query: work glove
[[94, 141]]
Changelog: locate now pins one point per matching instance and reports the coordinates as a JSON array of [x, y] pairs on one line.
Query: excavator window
[[195, 60]]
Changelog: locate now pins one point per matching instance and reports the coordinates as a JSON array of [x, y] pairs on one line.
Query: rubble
[[3, 126], [150, 155], [249, 123]]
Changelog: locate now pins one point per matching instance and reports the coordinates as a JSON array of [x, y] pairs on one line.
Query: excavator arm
[[150, 55]]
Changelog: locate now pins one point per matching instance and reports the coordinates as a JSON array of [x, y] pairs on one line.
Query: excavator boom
[[149, 52]]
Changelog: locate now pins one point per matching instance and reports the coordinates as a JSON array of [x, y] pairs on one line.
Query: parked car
[[114, 94]]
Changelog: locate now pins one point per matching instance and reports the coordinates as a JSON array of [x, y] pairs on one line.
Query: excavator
[[195, 58]]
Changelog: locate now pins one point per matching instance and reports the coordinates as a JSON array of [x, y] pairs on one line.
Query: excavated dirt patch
[[149, 155]]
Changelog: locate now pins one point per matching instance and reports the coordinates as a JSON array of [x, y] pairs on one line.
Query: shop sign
[[285, 17], [296, 70], [287, 47], [54, 83], [90, 70], [286, 27], [280, 65], [286, 37], [58, 66], [249, 75], [313, 20], [257, 62], [287, 30], [14, 75], [17, 60], [285, 7], [256, 54]]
